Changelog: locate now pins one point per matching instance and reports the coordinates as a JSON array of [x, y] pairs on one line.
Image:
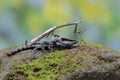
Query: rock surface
[[86, 62]]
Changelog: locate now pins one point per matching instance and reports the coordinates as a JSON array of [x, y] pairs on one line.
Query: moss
[[1, 70], [48, 67], [10, 77], [91, 45], [55, 64], [51, 66]]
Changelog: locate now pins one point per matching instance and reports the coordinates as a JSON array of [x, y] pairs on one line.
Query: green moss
[[49, 67], [1, 66], [91, 45], [98, 46], [52, 65], [1, 70]]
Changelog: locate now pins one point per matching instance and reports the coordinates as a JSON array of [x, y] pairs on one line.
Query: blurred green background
[[22, 20]]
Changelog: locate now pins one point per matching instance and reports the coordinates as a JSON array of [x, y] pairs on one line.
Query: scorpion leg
[[44, 50], [33, 51], [39, 46], [50, 47]]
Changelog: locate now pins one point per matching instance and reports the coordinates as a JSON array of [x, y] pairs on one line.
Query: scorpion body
[[47, 46]]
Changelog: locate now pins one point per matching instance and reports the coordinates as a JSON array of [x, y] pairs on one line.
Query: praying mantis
[[63, 43]]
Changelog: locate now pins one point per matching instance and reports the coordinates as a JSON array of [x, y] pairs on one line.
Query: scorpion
[[58, 43]]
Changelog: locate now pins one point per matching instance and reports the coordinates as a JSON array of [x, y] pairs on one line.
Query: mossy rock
[[86, 62]]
